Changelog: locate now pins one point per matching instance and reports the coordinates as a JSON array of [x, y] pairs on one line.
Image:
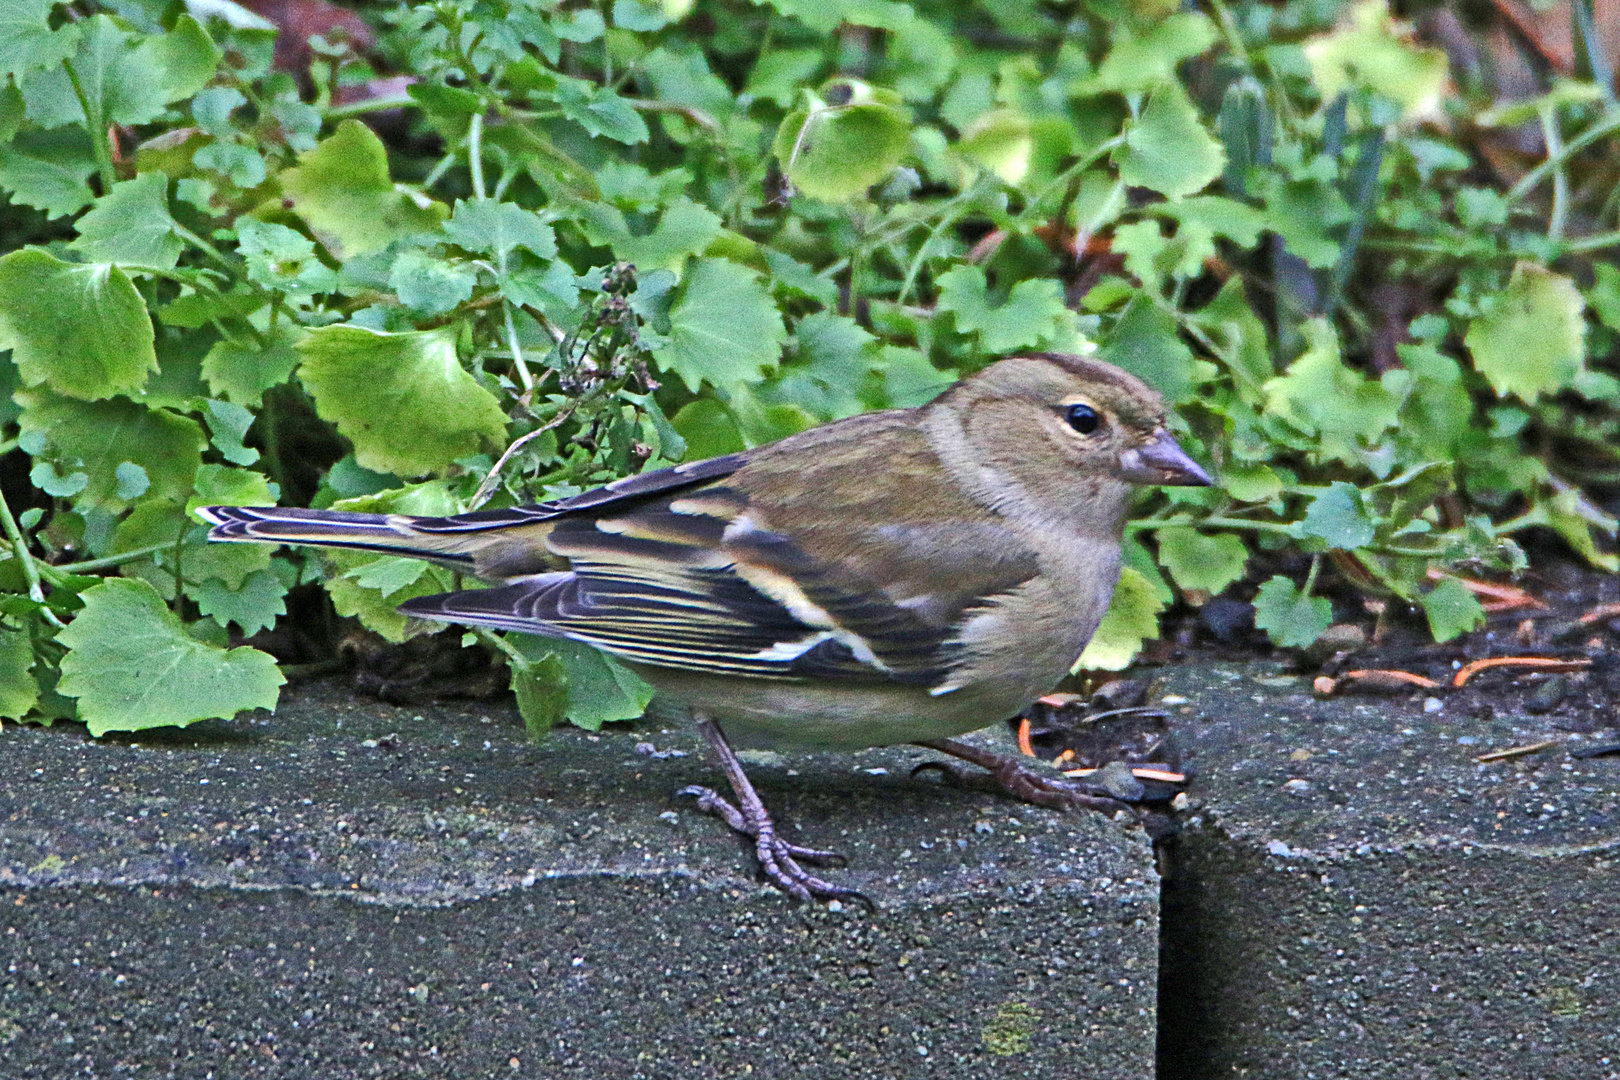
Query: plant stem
[[201, 245], [1535, 176], [19, 544], [369, 105], [475, 153], [110, 561], [1595, 242], [98, 137], [951, 213], [1310, 578], [1560, 203]]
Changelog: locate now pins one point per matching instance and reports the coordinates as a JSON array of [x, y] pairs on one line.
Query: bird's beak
[[1162, 461]]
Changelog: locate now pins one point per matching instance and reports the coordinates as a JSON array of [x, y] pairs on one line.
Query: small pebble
[[1433, 705], [1297, 786]]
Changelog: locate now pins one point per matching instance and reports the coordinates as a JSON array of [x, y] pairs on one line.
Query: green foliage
[[608, 239]]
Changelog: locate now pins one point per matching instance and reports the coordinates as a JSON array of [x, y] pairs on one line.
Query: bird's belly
[[768, 712]]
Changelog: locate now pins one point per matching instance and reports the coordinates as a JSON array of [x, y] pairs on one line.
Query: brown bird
[[901, 576]]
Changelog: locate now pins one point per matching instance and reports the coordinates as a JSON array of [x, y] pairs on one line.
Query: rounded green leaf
[[724, 327], [843, 140], [132, 665], [404, 400], [343, 190], [1532, 339], [1132, 618], [1198, 561], [95, 438], [1168, 149], [1001, 141], [1289, 617], [82, 330]]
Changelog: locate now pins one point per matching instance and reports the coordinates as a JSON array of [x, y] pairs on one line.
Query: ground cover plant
[[474, 252]]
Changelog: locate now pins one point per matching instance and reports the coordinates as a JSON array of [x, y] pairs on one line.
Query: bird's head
[[1055, 422]]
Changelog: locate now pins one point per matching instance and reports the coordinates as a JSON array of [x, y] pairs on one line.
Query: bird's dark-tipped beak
[[1162, 461]]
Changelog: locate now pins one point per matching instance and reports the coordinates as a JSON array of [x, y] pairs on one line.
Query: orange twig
[[1023, 737], [1381, 675], [1599, 613], [1538, 663], [1495, 597], [1140, 774], [1374, 678]]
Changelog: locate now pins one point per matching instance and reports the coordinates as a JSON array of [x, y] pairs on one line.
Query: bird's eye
[[1083, 418]]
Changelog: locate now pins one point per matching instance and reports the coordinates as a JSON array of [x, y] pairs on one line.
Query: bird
[[902, 576]]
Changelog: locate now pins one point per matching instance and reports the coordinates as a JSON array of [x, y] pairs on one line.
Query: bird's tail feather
[[392, 533], [520, 606]]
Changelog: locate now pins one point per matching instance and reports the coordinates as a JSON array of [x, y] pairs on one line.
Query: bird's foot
[[777, 857], [1107, 794], [1026, 785]]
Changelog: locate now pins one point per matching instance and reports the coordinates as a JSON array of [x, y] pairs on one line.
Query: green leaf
[[843, 140], [404, 400], [1530, 340], [27, 42], [1290, 618], [1337, 516], [228, 425], [1138, 62], [684, 228], [282, 259], [19, 692], [1238, 222], [724, 327], [709, 430], [600, 689], [184, 59], [389, 575], [221, 485], [1168, 149], [430, 285], [541, 688], [376, 611], [831, 368], [1371, 53], [48, 177], [1132, 618], [1452, 609], [132, 666], [1147, 343], [497, 228], [96, 437], [253, 607], [241, 370], [82, 330], [343, 191], [999, 140], [1033, 312], [120, 81], [131, 225], [1198, 561]]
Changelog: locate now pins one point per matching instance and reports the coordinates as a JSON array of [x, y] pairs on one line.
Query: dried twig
[[1537, 663]]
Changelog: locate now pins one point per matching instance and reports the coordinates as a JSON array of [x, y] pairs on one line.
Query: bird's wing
[[706, 580]]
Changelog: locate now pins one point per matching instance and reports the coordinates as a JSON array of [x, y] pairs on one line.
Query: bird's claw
[[777, 857]]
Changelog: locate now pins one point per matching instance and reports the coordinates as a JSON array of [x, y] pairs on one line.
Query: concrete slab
[[349, 889], [1359, 897]]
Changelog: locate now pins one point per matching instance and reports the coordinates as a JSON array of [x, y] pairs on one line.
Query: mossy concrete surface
[[348, 889], [1358, 896]]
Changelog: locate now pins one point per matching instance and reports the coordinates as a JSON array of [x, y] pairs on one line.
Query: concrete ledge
[[1359, 897], [349, 889]]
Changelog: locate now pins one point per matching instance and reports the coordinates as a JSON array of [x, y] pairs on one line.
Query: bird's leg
[[1009, 774], [777, 857]]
